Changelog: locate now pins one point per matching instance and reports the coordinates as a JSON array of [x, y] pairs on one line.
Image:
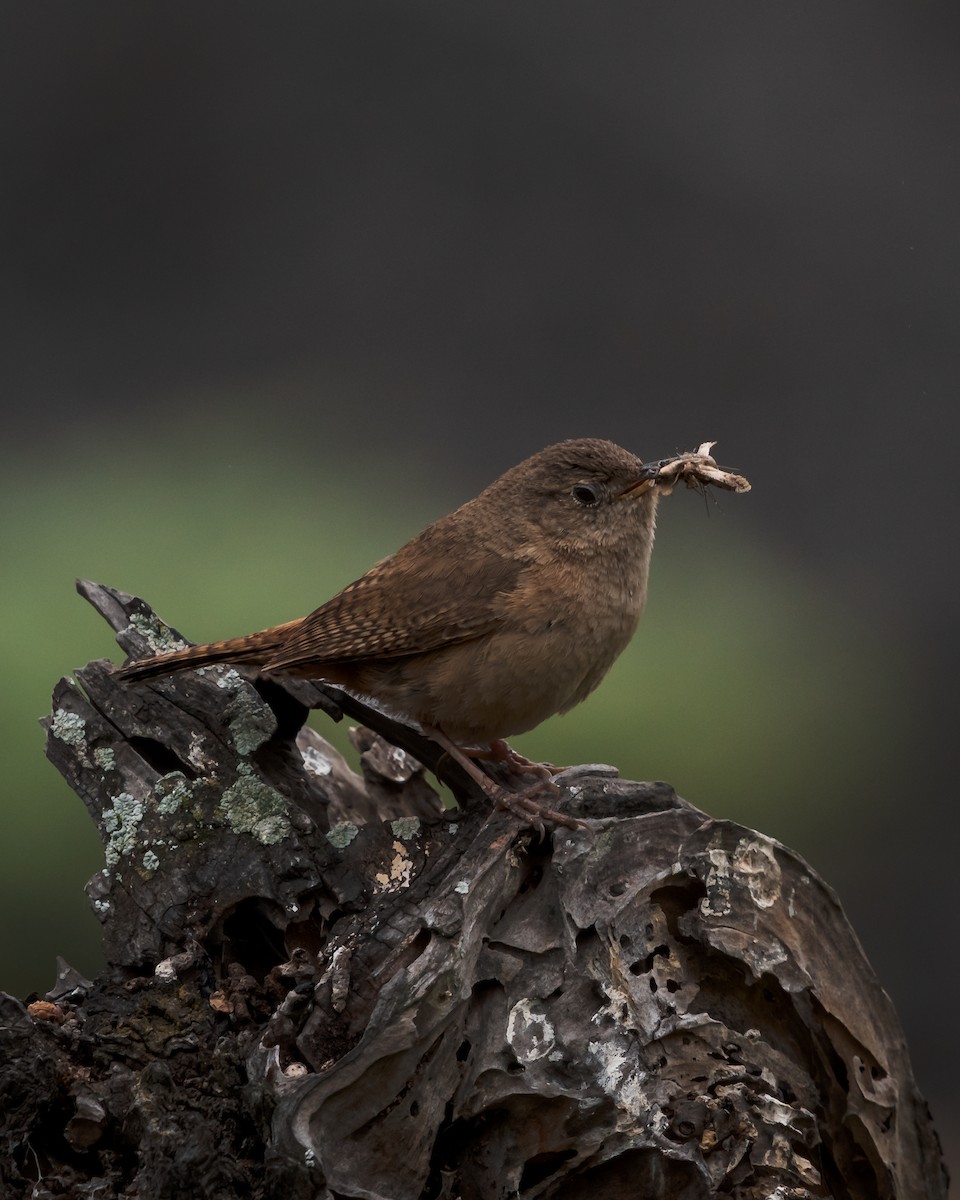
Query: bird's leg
[[503, 755], [521, 804], [501, 752], [519, 764]]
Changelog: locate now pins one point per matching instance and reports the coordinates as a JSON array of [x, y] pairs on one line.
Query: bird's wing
[[409, 603]]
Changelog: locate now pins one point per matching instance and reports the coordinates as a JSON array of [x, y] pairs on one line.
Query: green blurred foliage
[[746, 687]]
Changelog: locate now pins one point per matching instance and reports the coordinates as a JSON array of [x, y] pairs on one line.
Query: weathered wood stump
[[323, 985]]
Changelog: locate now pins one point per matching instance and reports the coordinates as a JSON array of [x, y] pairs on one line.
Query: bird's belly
[[498, 686]]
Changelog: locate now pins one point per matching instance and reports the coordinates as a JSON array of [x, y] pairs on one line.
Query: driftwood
[[305, 999]]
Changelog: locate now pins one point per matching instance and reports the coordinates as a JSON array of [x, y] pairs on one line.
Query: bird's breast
[[553, 637]]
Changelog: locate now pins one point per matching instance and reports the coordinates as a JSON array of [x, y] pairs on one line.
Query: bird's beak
[[647, 476]]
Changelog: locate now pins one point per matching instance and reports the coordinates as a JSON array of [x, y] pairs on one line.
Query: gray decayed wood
[[305, 999]]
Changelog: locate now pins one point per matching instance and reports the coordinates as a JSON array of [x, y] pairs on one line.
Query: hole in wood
[[160, 757]]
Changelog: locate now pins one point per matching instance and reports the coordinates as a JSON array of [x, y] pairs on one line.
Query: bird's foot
[[534, 812], [503, 753], [522, 804]]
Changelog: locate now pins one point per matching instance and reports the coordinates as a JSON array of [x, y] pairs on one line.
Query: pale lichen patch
[[72, 729], [250, 721], [122, 823], [196, 755], [756, 862], [228, 678], [105, 758], [622, 1078], [252, 806], [529, 1031], [717, 902], [150, 861], [160, 637], [401, 869], [342, 835], [405, 827], [172, 792], [751, 864]]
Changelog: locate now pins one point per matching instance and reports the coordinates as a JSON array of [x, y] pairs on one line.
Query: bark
[[322, 985]]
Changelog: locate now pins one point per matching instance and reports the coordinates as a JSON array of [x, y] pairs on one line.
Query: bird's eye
[[586, 494]]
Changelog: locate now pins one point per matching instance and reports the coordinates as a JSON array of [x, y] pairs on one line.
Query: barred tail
[[253, 649]]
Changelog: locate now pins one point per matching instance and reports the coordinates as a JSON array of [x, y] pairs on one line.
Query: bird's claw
[[533, 812]]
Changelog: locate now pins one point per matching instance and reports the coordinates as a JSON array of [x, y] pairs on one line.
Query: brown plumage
[[498, 615]]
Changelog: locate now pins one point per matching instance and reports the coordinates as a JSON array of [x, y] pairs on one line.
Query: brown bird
[[506, 611]]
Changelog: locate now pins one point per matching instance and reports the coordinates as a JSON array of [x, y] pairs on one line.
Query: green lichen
[[105, 758], [405, 827], [250, 721], [252, 806], [172, 792], [69, 728], [150, 861], [122, 823], [342, 835], [228, 678], [160, 637]]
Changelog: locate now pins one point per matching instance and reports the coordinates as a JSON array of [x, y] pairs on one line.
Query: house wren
[[506, 611]]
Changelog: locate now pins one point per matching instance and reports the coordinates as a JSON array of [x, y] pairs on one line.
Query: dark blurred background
[[281, 283]]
